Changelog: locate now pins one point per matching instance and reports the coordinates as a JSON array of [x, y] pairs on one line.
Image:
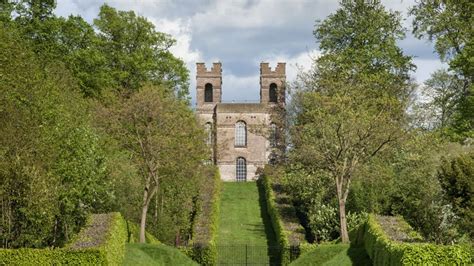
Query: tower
[[208, 85], [272, 83]]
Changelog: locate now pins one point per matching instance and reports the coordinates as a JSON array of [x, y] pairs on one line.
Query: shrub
[[456, 179], [385, 251], [100, 242]]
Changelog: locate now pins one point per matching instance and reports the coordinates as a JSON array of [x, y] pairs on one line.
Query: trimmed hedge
[[384, 251], [275, 219], [205, 253], [105, 249]]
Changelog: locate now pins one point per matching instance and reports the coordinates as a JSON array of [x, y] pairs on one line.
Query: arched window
[[208, 93], [240, 134], [241, 169], [273, 135], [208, 128], [273, 93]]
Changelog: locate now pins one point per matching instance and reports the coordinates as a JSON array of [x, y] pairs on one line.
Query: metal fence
[[252, 255]]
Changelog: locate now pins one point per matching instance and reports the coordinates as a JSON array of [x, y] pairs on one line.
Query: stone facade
[[221, 120]]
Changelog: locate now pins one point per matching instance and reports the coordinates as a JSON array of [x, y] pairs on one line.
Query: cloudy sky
[[243, 33]]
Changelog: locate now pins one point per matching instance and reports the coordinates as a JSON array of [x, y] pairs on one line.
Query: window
[[240, 134], [208, 128], [241, 169], [273, 93], [208, 93], [273, 135]]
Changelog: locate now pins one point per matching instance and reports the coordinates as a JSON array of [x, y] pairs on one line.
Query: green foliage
[[120, 51], [351, 106], [136, 53], [110, 251], [456, 178], [275, 219], [449, 25], [384, 251], [53, 168], [134, 234], [443, 91], [150, 125], [202, 247]]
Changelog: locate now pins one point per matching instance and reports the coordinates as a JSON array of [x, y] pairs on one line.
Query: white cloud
[[234, 30], [425, 67]]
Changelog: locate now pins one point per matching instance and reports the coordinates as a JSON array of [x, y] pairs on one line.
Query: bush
[[456, 179], [100, 242], [275, 219], [385, 251]]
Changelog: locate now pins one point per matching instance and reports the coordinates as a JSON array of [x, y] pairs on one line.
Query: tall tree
[[449, 25], [351, 106], [443, 93], [136, 53], [52, 171], [164, 138]]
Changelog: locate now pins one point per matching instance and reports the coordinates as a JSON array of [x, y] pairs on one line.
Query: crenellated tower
[[208, 85], [272, 83]]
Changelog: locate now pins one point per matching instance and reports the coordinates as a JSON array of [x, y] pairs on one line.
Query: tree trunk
[[143, 218], [343, 220], [147, 196]]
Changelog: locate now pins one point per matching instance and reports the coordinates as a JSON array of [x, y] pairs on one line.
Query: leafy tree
[[352, 106], [449, 24], [166, 144], [53, 171], [136, 53], [443, 93]]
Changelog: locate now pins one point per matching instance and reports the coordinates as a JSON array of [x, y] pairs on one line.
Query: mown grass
[[154, 254], [245, 231], [240, 219], [337, 254]]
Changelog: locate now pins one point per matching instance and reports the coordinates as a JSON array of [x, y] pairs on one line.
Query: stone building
[[241, 135]]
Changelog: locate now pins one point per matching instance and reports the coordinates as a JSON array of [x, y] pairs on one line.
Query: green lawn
[[154, 254], [337, 254], [245, 232]]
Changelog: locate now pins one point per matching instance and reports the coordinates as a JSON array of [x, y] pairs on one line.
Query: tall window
[[241, 169], [208, 93], [208, 128], [273, 135], [240, 134], [273, 93]]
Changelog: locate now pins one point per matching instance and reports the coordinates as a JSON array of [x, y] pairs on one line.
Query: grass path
[[245, 231]]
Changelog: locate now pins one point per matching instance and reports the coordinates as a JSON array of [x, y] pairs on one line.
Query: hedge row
[[384, 251], [275, 218], [107, 248], [205, 252]]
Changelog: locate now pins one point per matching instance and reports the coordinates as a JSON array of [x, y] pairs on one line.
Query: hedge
[[275, 218], [384, 251], [107, 248], [205, 253]]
